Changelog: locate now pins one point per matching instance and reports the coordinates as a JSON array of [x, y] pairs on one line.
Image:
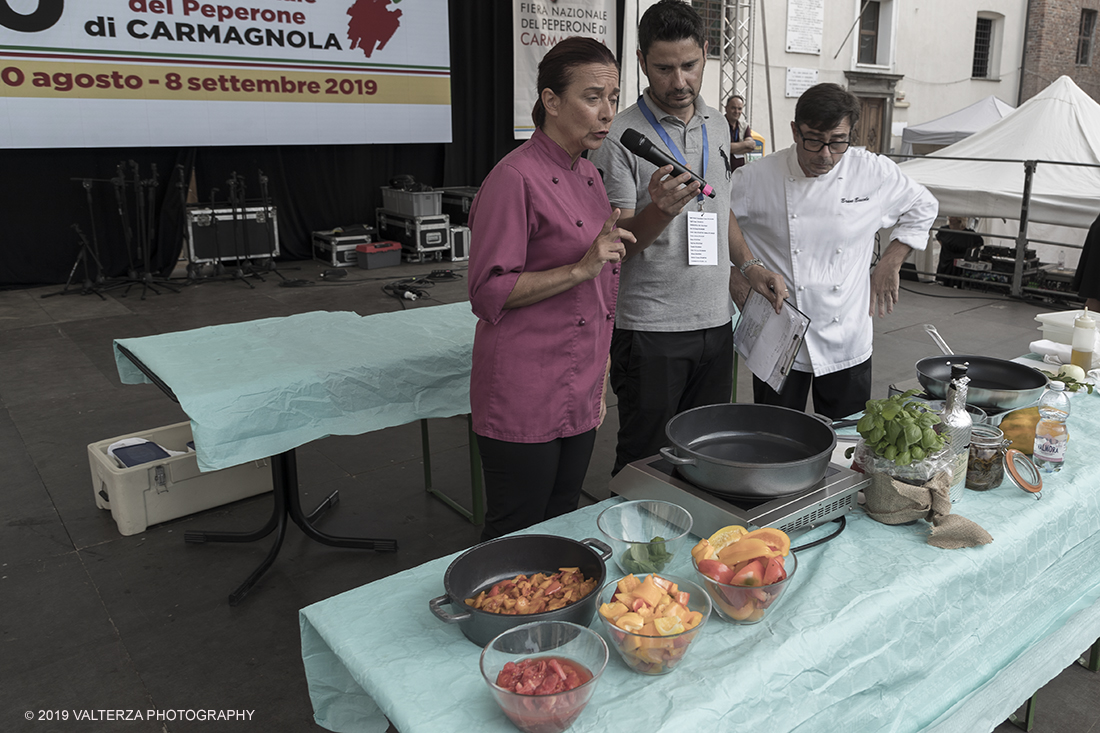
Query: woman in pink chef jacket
[[543, 280]]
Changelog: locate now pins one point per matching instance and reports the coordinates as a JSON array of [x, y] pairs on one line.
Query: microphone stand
[[194, 270], [234, 181], [219, 268], [82, 256], [119, 182], [99, 277], [269, 225], [148, 228], [144, 222]]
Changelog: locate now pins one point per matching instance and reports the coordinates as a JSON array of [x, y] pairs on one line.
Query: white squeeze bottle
[[1084, 340], [1051, 433]]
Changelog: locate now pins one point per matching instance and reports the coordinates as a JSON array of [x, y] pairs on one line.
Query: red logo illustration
[[372, 24]]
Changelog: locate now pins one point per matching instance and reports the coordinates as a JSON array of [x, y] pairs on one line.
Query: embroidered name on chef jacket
[[856, 200]]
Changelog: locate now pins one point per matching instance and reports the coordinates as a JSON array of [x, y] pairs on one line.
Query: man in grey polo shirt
[[672, 349]]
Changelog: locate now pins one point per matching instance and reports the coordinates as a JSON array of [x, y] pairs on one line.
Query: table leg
[[288, 503], [278, 515], [1027, 721], [242, 590], [286, 466], [476, 513], [1090, 660]]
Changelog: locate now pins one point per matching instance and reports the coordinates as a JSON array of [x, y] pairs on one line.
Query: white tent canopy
[[1061, 123], [956, 126]]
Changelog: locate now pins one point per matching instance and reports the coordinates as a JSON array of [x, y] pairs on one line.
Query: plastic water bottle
[[1051, 433]]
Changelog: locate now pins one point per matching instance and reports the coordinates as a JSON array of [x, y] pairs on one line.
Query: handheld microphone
[[638, 144]]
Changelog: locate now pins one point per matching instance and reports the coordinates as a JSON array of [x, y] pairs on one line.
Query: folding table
[[262, 388]]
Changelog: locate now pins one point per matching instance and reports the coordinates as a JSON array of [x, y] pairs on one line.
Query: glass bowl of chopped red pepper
[[543, 674], [745, 593]]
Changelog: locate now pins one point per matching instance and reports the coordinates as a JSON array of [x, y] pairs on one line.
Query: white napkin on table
[[1060, 352]]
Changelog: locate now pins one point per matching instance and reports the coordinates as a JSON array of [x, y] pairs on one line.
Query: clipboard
[[769, 341]]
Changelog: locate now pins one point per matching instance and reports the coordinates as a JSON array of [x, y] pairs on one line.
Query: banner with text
[[538, 26], [135, 73]]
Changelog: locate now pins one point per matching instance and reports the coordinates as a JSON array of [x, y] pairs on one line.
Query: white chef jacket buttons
[[839, 250], [836, 287], [836, 319], [801, 288]]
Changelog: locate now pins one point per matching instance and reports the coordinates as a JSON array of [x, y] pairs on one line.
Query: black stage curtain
[[45, 192]]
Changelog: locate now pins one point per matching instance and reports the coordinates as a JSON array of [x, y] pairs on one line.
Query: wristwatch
[[750, 263]]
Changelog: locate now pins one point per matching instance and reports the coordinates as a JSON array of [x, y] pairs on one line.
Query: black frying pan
[[995, 383]]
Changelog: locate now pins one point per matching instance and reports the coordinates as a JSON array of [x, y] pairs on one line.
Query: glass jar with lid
[[985, 467]]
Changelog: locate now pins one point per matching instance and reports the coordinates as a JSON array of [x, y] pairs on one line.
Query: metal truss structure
[[737, 47]]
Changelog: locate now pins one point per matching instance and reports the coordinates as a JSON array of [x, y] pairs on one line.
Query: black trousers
[[526, 483], [836, 395], [657, 375]]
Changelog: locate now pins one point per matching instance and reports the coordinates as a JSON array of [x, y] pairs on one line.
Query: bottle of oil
[[1051, 433], [1084, 340], [957, 425]]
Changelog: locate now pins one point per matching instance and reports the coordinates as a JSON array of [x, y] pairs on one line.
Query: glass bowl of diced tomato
[[747, 592], [543, 674], [653, 619]]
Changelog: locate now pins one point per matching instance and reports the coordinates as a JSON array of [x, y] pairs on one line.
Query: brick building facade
[[1054, 47]]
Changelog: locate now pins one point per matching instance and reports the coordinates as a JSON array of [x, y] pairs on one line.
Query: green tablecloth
[[259, 388], [878, 632]]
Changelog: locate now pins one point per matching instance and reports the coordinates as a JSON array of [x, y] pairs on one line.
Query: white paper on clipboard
[[769, 341]]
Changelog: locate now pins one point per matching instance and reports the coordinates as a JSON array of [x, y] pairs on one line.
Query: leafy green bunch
[[650, 558], [900, 429], [1071, 382]]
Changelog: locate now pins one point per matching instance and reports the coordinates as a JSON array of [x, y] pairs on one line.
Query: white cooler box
[[169, 488], [1058, 326]]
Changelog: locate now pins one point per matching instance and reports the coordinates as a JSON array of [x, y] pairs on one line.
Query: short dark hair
[[670, 20], [556, 67], [824, 106]]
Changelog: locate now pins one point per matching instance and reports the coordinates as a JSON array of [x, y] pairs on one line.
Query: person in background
[[544, 265], [1086, 279], [962, 242], [673, 343], [812, 212], [741, 140]]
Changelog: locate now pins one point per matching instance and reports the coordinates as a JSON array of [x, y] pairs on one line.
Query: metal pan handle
[[938, 339], [674, 459], [598, 547], [436, 606]]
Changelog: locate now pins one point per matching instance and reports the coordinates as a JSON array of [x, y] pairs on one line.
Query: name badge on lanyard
[[702, 238], [702, 226]]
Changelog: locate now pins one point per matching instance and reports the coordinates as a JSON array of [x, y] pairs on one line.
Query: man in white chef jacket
[[811, 213]]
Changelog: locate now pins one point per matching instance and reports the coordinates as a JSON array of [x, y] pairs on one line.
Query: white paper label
[[702, 238]]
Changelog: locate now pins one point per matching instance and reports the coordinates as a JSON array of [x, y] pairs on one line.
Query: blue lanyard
[[648, 114]]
